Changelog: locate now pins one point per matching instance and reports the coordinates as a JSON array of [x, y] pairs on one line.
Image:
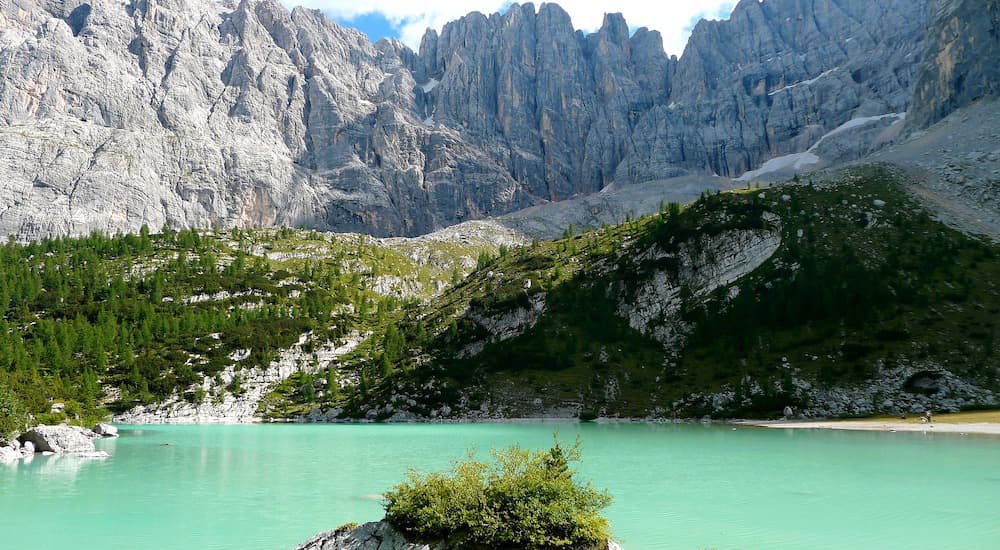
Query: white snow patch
[[795, 161], [798, 161], [804, 82], [429, 85], [429, 121], [856, 122]]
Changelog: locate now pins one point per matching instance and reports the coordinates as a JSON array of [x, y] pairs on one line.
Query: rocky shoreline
[[57, 440], [379, 535], [910, 389]]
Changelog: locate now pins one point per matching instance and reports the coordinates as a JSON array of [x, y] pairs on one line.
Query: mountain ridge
[[222, 114]]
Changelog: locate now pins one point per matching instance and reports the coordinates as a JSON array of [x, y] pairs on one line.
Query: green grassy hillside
[[864, 282], [736, 305]]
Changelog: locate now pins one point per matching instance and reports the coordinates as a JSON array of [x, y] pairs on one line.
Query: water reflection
[[675, 486]]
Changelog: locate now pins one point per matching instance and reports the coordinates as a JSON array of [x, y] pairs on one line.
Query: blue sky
[[374, 24], [408, 20]]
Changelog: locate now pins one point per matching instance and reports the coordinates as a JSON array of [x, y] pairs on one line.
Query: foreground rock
[[9, 454], [59, 440], [376, 535]]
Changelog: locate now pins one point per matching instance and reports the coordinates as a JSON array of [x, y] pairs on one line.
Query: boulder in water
[[105, 430], [85, 432], [8, 454], [58, 439]]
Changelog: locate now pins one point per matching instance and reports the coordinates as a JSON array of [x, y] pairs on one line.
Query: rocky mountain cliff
[[220, 113], [963, 44]]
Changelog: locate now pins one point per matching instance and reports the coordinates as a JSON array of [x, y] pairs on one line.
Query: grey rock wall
[[201, 113], [773, 79], [960, 61], [221, 113]]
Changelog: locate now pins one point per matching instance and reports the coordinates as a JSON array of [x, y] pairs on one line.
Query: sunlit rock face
[[195, 113]]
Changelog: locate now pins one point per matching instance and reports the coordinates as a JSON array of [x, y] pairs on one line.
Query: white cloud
[[673, 18]]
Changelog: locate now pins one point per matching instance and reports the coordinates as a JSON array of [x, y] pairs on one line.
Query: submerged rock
[[378, 535], [58, 439]]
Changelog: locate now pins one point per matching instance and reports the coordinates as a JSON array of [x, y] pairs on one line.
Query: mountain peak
[[225, 114]]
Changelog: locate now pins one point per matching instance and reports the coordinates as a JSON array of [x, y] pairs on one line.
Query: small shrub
[[524, 499], [13, 418]]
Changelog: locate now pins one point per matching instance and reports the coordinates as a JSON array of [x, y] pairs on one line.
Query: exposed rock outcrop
[[377, 535], [59, 439], [254, 383], [910, 388], [705, 265]]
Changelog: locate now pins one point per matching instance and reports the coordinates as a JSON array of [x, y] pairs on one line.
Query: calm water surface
[[273, 486]]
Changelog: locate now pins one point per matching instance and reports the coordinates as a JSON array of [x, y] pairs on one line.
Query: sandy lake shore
[[879, 425]]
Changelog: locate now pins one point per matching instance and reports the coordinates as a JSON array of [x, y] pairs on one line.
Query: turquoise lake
[[675, 486]]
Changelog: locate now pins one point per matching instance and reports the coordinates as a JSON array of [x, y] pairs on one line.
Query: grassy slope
[[854, 285], [863, 286]]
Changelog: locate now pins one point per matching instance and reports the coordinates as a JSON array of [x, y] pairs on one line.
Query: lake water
[[675, 486]]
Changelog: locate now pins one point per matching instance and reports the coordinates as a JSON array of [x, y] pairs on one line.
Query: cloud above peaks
[[410, 19]]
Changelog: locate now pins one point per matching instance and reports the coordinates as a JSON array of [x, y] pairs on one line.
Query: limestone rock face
[[960, 61], [554, 104], [773, 79], [195, 113], [58, 439], [201, 113]]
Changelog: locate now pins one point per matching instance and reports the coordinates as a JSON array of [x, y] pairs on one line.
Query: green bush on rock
[[524, 499]]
